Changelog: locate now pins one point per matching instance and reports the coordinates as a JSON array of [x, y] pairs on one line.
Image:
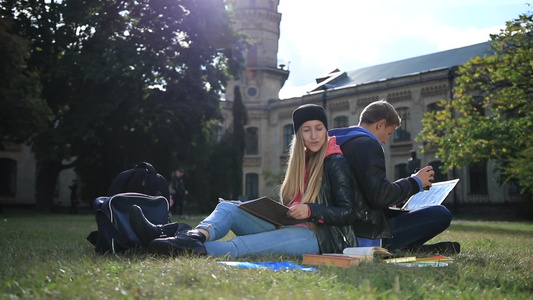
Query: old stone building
[[413, 86]]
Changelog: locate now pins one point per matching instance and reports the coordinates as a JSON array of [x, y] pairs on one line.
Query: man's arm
[[367, 161]]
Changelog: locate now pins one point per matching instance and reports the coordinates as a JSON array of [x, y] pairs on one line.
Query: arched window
[[340, 121], [252, 141], [403, 133], [8, 177], [252, 185], [288, 131]]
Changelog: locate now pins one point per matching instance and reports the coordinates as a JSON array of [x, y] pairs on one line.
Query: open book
[[434, 196], [268, 210], [366, 252]]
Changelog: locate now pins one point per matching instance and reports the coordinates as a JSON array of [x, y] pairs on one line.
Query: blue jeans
[[254, 236], [417, 227]]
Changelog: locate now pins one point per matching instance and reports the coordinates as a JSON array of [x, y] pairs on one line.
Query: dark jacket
[[178, 186], [367, 161], [334, 212]]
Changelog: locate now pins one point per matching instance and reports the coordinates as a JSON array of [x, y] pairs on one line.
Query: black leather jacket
[[367, 161], [334, 211]]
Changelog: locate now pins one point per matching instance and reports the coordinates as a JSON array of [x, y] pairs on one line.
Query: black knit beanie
[[306, 113]]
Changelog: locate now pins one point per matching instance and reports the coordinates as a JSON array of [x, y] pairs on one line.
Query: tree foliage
[[126, 81], [23, 113], [491, 114]]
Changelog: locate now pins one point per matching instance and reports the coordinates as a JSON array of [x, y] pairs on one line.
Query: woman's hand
[[299, 211]]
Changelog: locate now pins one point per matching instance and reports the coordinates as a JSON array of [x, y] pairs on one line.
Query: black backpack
[[141, 186], [114, 232], [142, 179]]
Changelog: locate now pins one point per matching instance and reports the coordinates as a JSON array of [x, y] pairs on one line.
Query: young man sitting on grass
[[362, 146]]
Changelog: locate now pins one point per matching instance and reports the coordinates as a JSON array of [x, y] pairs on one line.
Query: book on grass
[[436, 194], [432, 261], [414, 259], [335, 260], [351, 256], [268, 210], [366, 252]]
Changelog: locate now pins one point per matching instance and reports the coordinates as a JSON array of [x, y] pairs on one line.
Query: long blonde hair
[[294, 181]]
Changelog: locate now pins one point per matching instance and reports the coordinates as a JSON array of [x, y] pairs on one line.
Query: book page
[[365, 251]]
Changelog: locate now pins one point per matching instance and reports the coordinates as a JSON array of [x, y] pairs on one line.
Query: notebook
[[268, 210], [434, 196]]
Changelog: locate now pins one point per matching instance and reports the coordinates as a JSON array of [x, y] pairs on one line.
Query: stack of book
[[355, 255], [350, 257]]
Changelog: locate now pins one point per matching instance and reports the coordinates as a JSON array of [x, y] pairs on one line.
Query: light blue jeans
[[254, 236]]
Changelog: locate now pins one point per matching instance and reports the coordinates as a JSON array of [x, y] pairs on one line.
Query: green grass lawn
[[48, 257]]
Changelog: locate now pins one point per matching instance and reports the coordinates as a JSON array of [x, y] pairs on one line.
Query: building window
[[252, 185], [220, 133], [8, 177], [400, 171], [477, 179], [403, 133], [271, 5], [340, 121], [251, 57], [252, 92], [252, 141], [288, 131], [434, 107]]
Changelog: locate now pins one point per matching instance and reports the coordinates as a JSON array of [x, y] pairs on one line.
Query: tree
[[240, 118], [127, 81], [491, 114], [23, 113]]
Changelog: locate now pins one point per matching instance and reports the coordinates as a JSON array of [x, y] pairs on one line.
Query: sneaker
[[177, 245]]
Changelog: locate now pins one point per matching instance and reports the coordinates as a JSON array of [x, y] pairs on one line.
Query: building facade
[[413, 86]]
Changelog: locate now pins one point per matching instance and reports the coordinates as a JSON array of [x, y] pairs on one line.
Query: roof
[[405, 67]]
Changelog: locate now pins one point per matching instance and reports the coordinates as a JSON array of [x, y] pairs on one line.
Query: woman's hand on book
[[299, 211]]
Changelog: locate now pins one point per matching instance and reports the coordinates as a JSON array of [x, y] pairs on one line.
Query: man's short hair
[[379, 110]]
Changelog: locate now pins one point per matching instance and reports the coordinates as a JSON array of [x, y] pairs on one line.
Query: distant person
[[413, 163], [180, 192], [362, 147], [318, 187], [74, 201]]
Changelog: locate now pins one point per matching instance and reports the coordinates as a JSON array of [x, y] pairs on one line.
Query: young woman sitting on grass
[[318, 187]]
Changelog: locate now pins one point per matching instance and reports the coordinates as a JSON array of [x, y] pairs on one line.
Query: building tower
[[259, 84], [263, 79]]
